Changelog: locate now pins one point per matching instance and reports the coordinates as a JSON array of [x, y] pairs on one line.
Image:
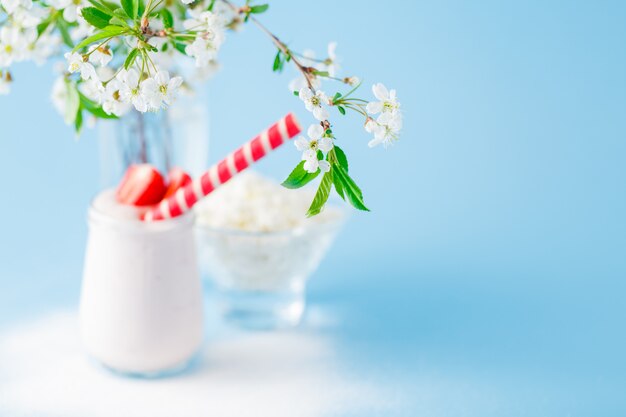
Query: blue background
[[494, 258]]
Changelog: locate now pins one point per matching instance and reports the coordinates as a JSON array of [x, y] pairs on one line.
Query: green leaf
[[341, 157], [118, 21], [101, 6], [296, 93], [78, 121], [210, 8], [41, 28], [130, 7], [339, 187], [341, 110], [94, 109], [278, 62], [352, 191], [180, 47], [336, 97], [141, 8], [119, 12], [65, 33], [130, 59], [72, 103], [107, 32], [299, 177], [321, 73], [260, 8], [167, 18], [321, 197], [96, 17]]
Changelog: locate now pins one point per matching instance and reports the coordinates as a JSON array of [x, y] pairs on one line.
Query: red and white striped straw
[[184, 199]]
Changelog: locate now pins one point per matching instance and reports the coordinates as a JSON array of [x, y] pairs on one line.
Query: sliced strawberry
[[177, 179], [142, 185]]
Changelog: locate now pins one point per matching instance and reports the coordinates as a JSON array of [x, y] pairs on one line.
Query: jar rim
[[135, 224]]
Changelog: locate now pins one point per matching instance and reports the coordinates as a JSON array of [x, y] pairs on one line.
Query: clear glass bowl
[[261, 277]]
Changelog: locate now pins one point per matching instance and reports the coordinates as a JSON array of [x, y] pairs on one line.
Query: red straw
[[184, 199]]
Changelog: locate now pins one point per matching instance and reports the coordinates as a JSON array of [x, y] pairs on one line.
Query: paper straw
[[184, 199]]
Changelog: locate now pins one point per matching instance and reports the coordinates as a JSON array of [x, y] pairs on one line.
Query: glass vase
[[176, 137]]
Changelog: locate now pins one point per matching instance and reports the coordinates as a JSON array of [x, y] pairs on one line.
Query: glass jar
[[261, 277], [141, 301]]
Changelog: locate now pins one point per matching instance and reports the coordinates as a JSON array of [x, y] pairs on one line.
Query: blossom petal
[[309, 155], [325, 144], [374, 142], [315, 131], [380, 92], [320, 113], [162, 77], [324, 166], [374, 107], [140, 104], [311, 165], [305, 93], [175, 83], [87, 71], [332, 47], [301, 144]]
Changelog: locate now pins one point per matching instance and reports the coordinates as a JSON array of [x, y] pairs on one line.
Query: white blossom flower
[[10, 6], [211, 37], [39, 49], [77, 63], [71, 8], [112, 102], [12, 46], [313, 102], [308, 58], [161, 89], [5, 83], [93, 90], [72, 12], [203, 50], [59, 95], [131, 91], [105, 73], [100, 55], [388, 100], [309, 147], [386, 128], [28, 18], [187, 1], [332, 66], [300, 82], [206, 21]]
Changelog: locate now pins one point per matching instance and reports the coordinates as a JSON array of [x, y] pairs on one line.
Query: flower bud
[[352, 80]]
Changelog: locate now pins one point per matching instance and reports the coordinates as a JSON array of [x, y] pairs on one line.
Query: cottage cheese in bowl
[[258, 247]]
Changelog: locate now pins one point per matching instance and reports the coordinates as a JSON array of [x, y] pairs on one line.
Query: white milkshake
[[141, 302]]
